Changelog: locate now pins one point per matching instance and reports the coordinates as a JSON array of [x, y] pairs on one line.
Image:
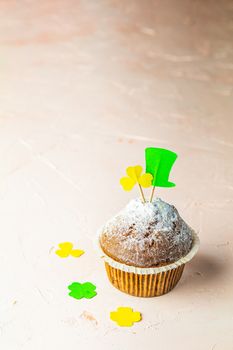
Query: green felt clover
[[159, 162], [82, 290]]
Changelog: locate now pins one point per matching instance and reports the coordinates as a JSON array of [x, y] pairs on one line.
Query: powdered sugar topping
[[146, 234]]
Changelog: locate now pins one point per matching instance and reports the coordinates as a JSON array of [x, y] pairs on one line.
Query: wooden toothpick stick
[[152, 194], [142, 194]]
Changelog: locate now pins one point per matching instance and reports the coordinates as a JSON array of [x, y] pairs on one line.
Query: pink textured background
[[85, 87]]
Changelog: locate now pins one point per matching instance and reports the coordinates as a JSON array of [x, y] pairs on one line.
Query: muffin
[[146, 247]]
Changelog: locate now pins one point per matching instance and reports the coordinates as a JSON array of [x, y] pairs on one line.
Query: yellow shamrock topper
[[134, 176], [125, 316]]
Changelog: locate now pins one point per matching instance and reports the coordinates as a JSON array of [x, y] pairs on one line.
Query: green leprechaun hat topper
[[159, 162]]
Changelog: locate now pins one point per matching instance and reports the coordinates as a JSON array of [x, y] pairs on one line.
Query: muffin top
[[146, 234]]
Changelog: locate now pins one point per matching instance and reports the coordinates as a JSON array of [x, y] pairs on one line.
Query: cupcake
[[147, 244]]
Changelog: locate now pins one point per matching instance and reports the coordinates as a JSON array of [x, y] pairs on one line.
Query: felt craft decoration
[[66, 249], [82, 290], [159, 162], [125, 316], [134, 177]]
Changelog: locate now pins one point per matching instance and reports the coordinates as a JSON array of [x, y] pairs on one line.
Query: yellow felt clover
[[125, 316], [134, 176], [66, 249]]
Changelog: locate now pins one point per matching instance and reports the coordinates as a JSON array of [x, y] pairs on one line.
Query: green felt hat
[[159, 162]]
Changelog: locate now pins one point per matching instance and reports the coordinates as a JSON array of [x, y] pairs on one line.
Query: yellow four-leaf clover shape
[[134, 176], [125, 316]]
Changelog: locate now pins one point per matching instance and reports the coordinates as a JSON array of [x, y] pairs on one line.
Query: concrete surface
[[85, 87]]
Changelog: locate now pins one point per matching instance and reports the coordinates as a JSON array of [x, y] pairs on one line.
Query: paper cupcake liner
[[139, 285], [151, 270]]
